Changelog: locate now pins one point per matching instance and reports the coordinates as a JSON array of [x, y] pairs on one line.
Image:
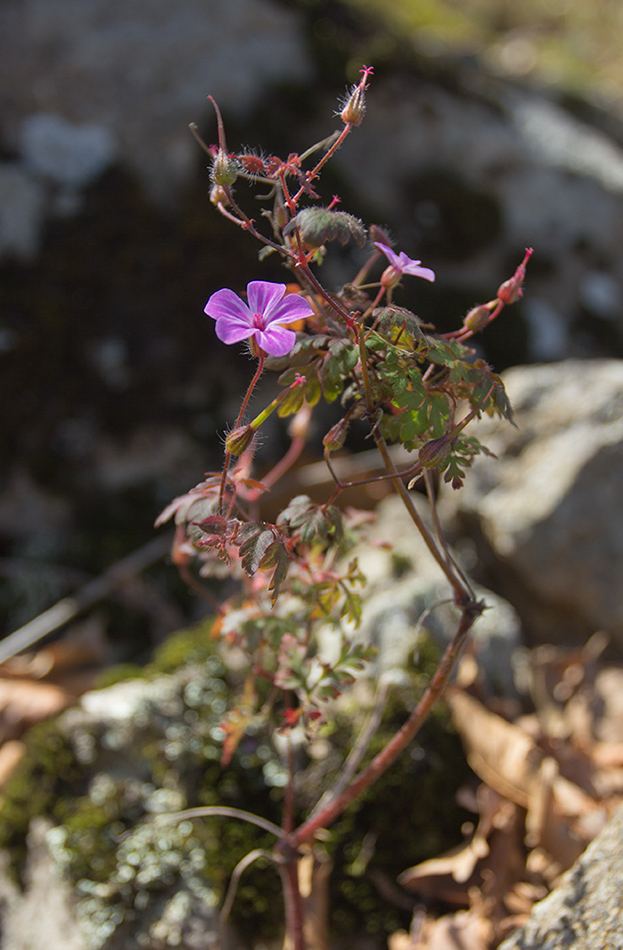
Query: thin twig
[[222, 811], [360, 747], [237, 873], [69, 607]]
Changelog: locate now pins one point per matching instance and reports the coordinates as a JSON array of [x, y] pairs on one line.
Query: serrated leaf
[[438, 416], [256, 539], [317, 226]]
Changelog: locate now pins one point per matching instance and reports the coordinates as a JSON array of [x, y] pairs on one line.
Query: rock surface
[[408, 594], [137, 75], [584, 911], [549, 510]]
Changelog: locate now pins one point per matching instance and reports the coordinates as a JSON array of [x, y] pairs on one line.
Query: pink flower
[[401, 264], [261, 319]]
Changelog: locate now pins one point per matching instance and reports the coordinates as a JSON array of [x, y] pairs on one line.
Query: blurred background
[[491, 126]]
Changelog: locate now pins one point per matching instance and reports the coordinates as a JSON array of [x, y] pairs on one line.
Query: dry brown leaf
[[11, 754], [500, 753], [492, 860], [23, 703], [465, 930]]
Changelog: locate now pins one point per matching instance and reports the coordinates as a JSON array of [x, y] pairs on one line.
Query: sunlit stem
[[325, 158], [462, 593], [245, 222], [303, 266], [245, 401]]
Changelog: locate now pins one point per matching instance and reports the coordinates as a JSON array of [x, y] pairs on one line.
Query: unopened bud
[[218, 196], [478, 317], [390, 277], [239, 439], [224, 169], [434, 452], [281, 216], [354, 106], [336, 436], [512, 289]]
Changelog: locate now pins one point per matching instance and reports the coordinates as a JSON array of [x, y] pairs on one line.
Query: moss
[[166, 757], [47, 775], [187, 647]]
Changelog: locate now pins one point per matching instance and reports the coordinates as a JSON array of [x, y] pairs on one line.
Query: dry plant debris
[[549, 782]]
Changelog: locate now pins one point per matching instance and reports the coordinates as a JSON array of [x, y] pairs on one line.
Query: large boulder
[[548, 513], [584, 911]]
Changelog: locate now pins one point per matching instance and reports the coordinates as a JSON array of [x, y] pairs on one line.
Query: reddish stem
[[400, 740]]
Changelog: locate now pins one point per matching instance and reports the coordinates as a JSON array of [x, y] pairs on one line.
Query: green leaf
[[438, 416], [292, 402], [317, 226], [313, 390]]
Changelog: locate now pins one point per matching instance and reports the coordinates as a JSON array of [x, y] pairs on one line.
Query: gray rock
[[550, 508], [585, 911], [22, 202], [44, 915], [556, 182], [69, 155], [142, 71], [408, 594]]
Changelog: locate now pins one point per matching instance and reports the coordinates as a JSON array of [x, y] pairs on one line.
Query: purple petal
[[391, 256], [292, 307], [229, 331], [276, 340], [415, 270], [405, 264], [263, 295], [226, 305]]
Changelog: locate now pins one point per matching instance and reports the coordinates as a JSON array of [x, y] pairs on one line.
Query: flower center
[[259, 322]]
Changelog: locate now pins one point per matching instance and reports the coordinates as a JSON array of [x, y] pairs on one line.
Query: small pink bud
[[512, 289], [252, 164]]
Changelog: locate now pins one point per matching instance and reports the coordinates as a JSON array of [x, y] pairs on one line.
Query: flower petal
[[276, 340], [292, 307], [229, 331], [391, 256], [263, 295], [226, 305], [415, 270], [405, 264]]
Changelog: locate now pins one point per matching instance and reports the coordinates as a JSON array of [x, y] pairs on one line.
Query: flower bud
[[512, 289], [252, 164], [354, 106], [434, 452], [336, 436], [281, 216], [239, 439], [390, 277], [478, 317], [218, 196], [224, 169]]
